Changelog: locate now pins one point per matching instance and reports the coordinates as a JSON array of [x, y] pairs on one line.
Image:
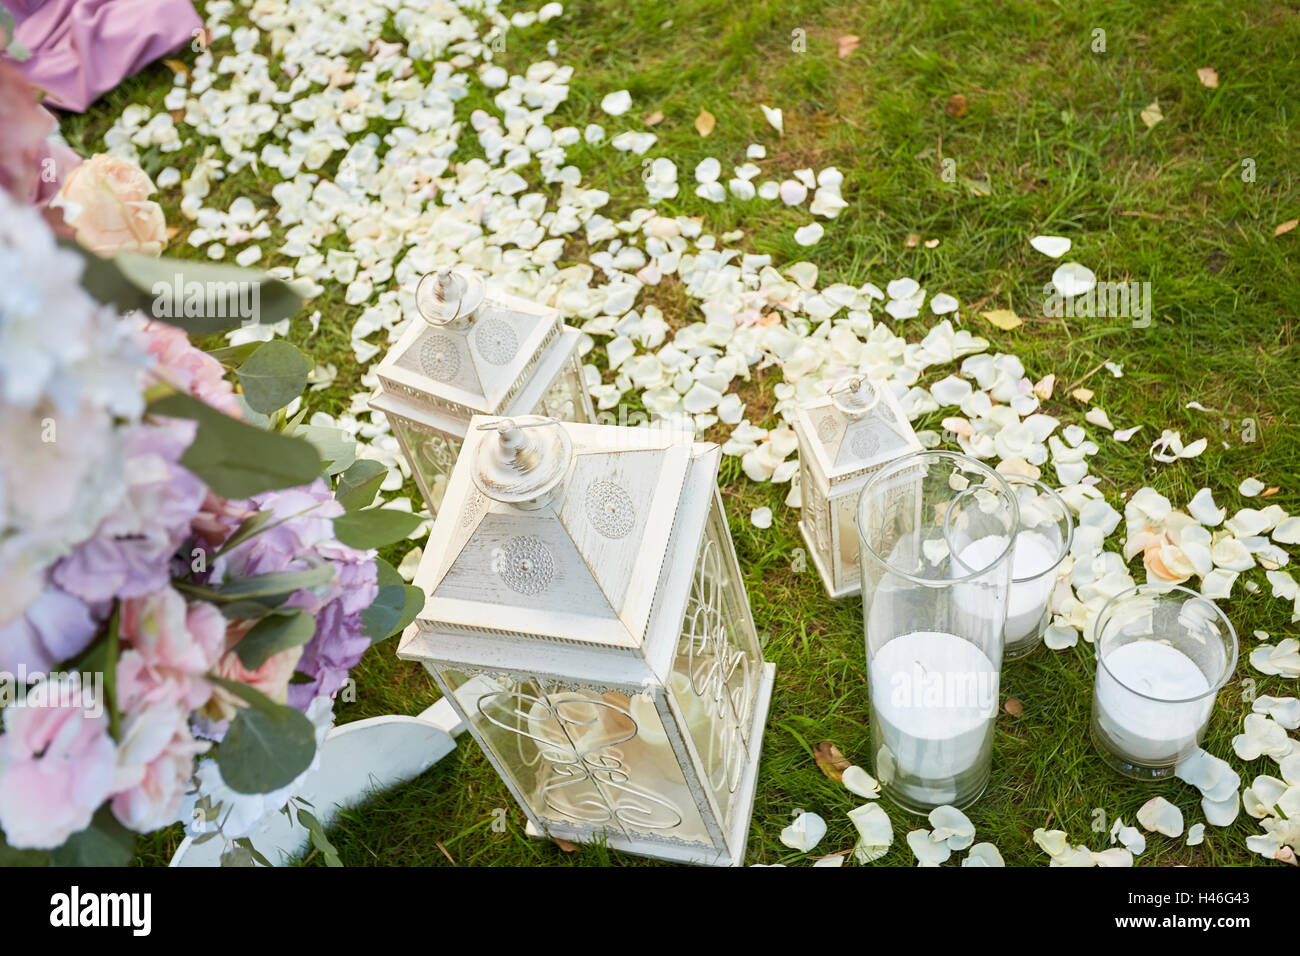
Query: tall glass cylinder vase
[[934, 625]]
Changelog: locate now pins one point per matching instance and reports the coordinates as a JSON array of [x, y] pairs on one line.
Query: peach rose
[[105, 200], [272, 679]]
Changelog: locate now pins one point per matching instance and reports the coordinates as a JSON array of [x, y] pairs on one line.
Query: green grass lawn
[[1050, 142]]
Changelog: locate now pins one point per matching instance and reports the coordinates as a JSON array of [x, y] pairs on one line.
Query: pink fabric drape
[[83, 48]]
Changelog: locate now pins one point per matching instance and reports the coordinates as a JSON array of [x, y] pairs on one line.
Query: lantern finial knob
[[855, 395], [447, 298], [526, 464]]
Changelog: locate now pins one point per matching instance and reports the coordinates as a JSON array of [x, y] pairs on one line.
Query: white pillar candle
[[1159, 730], [1031, 587], [933, 698]]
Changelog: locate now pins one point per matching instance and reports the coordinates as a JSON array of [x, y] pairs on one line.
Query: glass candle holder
[[1042, 541], [934, 628], [1162, 656]]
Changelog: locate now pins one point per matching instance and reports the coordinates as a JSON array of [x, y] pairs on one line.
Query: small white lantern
[[473, 353], [587, 616], [844, 438]]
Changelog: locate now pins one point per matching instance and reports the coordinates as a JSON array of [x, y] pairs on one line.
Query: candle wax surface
[[1027, 599], [1157, 670]]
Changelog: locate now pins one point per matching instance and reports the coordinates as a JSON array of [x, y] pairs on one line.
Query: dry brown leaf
[[177, 115], [1152, 115], [1013, 707], [177, 67], [956, 105], [1208, 77], [830, 760], [654, 119], [911, 240], [1286, 227], [1083, 394], [705, 122], [565, 845], [1004, 319], [1268, 492]]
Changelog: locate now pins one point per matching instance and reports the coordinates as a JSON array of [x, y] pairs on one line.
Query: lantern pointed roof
[[858, 426], [554, 530], [468, 347]]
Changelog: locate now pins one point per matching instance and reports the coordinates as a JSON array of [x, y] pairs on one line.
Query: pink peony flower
[[56, 767], [171, 647], [106, 201], [191, 369], [23, 128], [155, 763]]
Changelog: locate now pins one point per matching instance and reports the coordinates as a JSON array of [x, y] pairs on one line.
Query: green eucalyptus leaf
[[359, 484], [276, 583], [374, 527], [273, 376], [104, 843], [379, 620], [266, 747], [234, 355], [236, 459], [277, 632], [337, 448], [247, 528]]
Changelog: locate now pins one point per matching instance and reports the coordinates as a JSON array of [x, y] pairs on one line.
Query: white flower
[[1162, 816], [810, 234], [1284, 710], [774, 117], [804, 833], [983, 854], [616, 103], [927, 850], [1073, 279], [761, 517], [875, 832], [1051, 246], [952, 827], [858, 781]]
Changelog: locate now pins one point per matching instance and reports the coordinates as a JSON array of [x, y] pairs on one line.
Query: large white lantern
[[474, 352], [587, 616], [844, 437]]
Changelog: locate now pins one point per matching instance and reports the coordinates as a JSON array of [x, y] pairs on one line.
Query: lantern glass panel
[[585, 758], [431, 454], [717, 666], [566, 398], [845, 510]]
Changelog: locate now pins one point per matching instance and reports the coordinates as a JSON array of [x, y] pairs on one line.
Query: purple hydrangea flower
[[130, 553]]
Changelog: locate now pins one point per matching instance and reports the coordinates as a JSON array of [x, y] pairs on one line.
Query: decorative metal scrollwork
[[587, 781], [719, 672]]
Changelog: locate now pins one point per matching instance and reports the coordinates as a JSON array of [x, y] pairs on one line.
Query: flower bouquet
[[187, 570]]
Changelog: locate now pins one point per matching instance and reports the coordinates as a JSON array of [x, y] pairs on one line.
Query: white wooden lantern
[[587, 615], [844, 437], [475, 352]]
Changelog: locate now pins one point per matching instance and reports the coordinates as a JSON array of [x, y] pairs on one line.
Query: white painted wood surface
[[356, 761]]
